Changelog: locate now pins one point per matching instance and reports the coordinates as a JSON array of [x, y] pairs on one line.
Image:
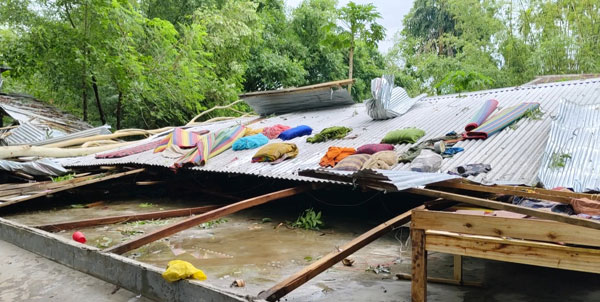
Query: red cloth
[[586, 206], [274, 131], [374, 148]]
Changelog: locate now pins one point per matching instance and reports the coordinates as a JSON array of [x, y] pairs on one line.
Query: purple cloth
[[374, 148]]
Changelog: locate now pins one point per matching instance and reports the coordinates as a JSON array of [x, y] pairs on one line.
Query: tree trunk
[[84, 95], [100, 112], [119, 104], [350, 65]]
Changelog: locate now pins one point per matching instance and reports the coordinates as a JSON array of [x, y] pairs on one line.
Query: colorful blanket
[[274, 131], [334, 155], [274, 152], [326, 134], [500, 121], [250, 142], [211, 145], [180, 138], [488, 107], [295, 132]]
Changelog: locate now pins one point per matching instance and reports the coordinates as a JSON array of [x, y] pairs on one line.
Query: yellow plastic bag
[[179, 269]]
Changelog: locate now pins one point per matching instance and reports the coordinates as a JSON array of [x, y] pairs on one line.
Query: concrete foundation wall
[[127, 273]]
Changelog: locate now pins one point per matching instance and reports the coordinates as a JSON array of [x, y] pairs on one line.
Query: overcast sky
[[392, 12]]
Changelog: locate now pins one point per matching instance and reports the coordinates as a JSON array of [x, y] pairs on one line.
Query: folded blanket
[[408, 135], [500, 121], [326, 134], [211, 145], [295, 132], [384, 160], [352, 162], [274, 131], [374, 148], [250, 142], [180, 138], [275, 151], [334, 155], [488, 107]]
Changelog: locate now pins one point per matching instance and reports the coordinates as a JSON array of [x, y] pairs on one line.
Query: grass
[[146, 205], [535, 114], [62, 178], [559, 160], [211, 224], [309, 220], [148, 222]]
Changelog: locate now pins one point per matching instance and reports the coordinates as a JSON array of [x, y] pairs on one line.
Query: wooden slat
[[531, 229], [196, 220], [284, 287], [558, 196], [69, 225], [418, 286], [517, 251], [70, 185], [588, 223]]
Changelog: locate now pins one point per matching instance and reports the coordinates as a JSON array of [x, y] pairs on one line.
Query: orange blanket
[[334, 155]]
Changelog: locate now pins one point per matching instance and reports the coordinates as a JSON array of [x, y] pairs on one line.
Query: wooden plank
[[196, 220], [457, 269], [531, 229], [69, 225], [517, 251], [296, 89], [588, 223], [558, 196], [284, 287], [404, 276], [418, 286], [71, 185]]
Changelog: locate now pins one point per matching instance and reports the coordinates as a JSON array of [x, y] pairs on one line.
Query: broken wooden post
[[418, 287], [193, 221], [284, 287], [496, 205], [69, 225]]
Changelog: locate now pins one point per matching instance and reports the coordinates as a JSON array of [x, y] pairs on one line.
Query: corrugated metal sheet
[[85, 133], [299, 100], [575, 134], [382, 179], [514, 154], [42, 167], [24, 134]]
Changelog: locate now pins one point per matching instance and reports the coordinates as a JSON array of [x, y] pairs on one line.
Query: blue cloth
[[453, 150], [295, 132], [250, 142]]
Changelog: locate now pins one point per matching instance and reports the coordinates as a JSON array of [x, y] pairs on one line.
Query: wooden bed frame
[[519, 240]]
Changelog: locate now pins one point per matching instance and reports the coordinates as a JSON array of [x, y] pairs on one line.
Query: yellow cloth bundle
[[179, 269]]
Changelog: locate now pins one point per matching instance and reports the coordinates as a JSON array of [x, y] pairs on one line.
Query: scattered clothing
[[250, 131], [275, 152], [179, 269], [414, 151], [131, 150], [334, 155], [352, 162], [488, 107], [449, 152], [451, 133], [501, 120], [552, 206], [408, 135], [326, 134], [374, 148], [274, 131], [586, 206], [250, 142], [586, 216], [384, 160], [470, 170], [301, 130], [180, 138], [427, 161], [211, 145]]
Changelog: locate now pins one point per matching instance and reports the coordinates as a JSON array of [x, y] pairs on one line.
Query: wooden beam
[[558, 196], [404, 276], [71, 185], [284, 287], [517, 251], [496, 205], [530, 229], [196, 220], [69, 225], [418, 286]]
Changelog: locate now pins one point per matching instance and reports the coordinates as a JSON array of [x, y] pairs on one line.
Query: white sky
[[392, 13]]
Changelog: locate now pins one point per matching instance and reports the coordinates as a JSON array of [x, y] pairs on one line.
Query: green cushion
[[408, 135]]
